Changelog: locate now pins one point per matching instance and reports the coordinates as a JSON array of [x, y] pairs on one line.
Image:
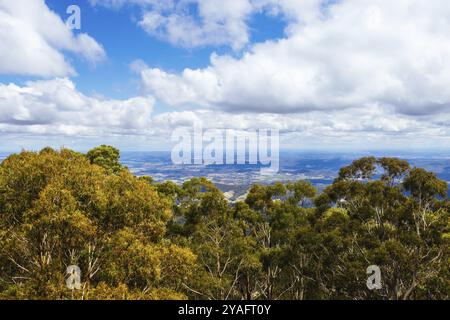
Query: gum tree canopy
[[57, 209], [134, 238]]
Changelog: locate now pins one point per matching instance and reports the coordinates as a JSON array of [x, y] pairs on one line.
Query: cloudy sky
[[330, 75]]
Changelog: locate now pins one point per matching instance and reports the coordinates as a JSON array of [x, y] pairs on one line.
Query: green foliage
[[58, 209], [106, 157], [135, 238]]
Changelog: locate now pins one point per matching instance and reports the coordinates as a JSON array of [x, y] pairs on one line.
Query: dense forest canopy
[[134, 238]]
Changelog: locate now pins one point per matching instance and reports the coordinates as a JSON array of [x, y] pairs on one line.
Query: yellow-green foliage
[[57, 209], [134, 238]]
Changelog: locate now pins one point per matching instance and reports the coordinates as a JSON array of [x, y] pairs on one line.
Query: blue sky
[[124, 41], [330, 75]]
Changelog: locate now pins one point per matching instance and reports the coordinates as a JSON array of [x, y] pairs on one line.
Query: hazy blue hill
[[319, 168]]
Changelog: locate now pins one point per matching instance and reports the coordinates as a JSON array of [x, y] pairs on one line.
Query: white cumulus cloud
[[353, 54], [57, 107], [215, 22], [33, 40]]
